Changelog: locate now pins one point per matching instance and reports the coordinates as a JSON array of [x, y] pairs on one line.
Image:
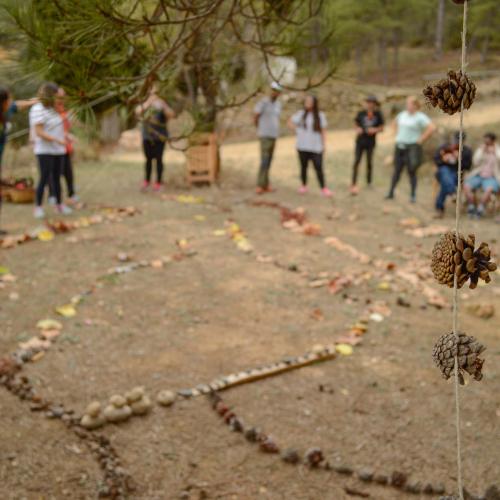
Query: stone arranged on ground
[[166, 398]]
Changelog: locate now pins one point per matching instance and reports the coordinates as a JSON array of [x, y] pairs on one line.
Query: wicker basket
[[26, 195]]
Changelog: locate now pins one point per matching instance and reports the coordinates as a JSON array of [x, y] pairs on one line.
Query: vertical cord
[[455, 281]]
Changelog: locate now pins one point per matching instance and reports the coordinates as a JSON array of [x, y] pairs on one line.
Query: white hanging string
[[455, 281]]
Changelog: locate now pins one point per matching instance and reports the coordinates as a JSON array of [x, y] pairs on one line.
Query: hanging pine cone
[[448, 93], [451, 256], [468, 352]]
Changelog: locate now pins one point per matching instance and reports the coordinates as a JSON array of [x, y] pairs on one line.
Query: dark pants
[[1, 187], [67, 173], [153, 150], [410, 157], [362, 147], [50, 167], [448, 179], [317, 161], [266, 157]]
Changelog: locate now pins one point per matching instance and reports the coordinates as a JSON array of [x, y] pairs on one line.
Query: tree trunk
[[438, 43], [359, 62], [382, 58], [485, 49], [395, 55]]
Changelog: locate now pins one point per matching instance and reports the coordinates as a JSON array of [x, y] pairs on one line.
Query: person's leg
[[369, 163], [159, 148], [470, 185], [358, 153], [266, 155], [1, 187], [447, 179], [399, 163], [317, 159], [57, 164], [489, 187], [148, 153], [44, 169], [304, 160], [67, 171]]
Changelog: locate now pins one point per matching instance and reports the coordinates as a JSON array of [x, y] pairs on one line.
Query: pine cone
[[468, 352], [451, 256], [448, 93]]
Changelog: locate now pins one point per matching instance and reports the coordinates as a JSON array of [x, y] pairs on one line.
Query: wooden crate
[[26, 195], [202, 159]]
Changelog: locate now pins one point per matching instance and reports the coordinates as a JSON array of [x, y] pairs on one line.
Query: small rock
[[90, 422], [439, 489], [343, 469], [313, 457], [251, 434], [134, 395], [268, 445], [290, 456], [401, 301], [381, 479], [142, 406], [398, 479], [428, 489], [93, 409], [492, 493], [228, 416], [221, 408], [414, 487], [114, 414], [166, 398], [366, 475], [117, 401], [186, 393], [236, 425]]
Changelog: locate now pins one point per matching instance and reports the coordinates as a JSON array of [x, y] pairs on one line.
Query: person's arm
[[323, 138], [358, 126], [169, 112], [429, 130], [26, 103], [46, 137], [256, 118]]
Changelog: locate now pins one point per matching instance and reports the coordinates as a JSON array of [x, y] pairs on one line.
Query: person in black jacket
[[369, 122], [446, 160]]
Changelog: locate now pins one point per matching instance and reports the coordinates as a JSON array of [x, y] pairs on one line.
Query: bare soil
[[222, 311]]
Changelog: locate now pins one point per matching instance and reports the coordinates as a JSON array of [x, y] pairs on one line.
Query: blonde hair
[[414, 100], [47, 94]]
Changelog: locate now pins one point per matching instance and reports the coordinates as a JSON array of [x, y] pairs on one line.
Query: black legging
[[67, 172], [317, 161], [409, 157], [50, 175], [361, 147], [153, 150]]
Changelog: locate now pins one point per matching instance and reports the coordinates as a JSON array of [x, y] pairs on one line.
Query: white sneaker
[[75, 198], [52, 200], [64, 209], [39, 213]]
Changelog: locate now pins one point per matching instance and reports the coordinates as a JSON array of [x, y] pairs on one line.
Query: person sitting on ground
[[485, 175], [266, 118], [446, 160], [369, 122], [154, 113], [310, 126]]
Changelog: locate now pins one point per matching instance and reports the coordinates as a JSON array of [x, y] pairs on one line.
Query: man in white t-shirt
[[267, 115]]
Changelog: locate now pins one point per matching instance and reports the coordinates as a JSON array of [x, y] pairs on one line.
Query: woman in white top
[[413, 128], [48, 135], [310, 125]]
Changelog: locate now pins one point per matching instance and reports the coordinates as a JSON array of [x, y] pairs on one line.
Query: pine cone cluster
[[468, 352], [448, 93], [452, 256]]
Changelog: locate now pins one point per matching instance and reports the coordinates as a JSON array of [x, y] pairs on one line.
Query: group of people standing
[[50, 135], [412, 129]]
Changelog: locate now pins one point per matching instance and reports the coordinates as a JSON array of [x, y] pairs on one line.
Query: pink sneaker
[[326, 192], [157, 186], [145, 186], [303, 189]]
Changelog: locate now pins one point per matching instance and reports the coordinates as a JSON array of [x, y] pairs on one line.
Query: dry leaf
[[317, 314], [35, 343], [344, 349], [410, 222], [311, 229], [338, 284], [422, 232], [67, 310], [49, 324], [200, 218], [36, 357], [157, 263], [45, 235], [318, 283], [50, 334], [264, 259]]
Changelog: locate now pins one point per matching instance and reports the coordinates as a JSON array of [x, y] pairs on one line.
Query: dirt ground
[[223, 310]]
